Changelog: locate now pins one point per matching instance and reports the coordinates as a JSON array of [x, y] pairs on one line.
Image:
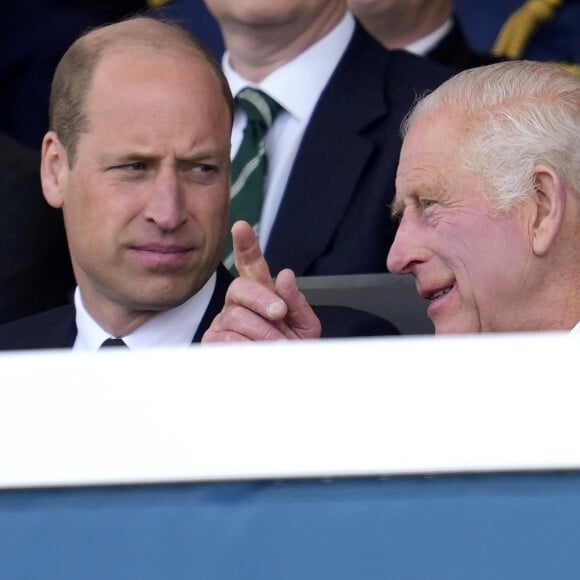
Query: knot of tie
[[112, 342], [258, 106]]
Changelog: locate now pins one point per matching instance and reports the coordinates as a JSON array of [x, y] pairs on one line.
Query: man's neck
[[120, 321], [555, 302], [257, 51], [114, 318], [407, 25]]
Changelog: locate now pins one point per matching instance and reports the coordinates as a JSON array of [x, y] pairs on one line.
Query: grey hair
[[517, 114]]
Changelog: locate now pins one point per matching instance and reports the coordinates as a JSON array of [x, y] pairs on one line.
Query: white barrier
[[328, 408]]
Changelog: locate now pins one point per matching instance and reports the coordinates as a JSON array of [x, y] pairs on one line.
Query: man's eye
[[136, 166], [205, 168], [201, 172], [426, 204]]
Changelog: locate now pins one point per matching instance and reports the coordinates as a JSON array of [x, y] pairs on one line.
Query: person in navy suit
[[333, 150], [139, 164], [424, 27]]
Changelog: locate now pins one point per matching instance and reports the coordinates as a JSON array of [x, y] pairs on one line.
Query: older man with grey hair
[[488, 194], [488, 199]]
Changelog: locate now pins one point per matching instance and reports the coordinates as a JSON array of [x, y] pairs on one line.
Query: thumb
[[300, 317]]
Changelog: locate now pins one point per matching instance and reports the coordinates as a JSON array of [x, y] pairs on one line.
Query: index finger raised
[[250, 262]]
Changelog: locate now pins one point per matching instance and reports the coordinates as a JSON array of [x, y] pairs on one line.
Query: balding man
[[138, 159]]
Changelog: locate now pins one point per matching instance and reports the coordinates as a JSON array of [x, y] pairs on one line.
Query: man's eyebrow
[[199, 157], [397, 208], [127, 157]]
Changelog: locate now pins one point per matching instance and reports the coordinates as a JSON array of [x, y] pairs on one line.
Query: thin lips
[[161, 249], [430, 293]]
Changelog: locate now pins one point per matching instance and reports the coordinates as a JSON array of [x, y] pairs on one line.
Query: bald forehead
[[142, 32], [142, 38], [128, 64], [134, 55]]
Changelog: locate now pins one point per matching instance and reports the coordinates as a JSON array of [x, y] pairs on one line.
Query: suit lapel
[[64, 331], [331, 158]]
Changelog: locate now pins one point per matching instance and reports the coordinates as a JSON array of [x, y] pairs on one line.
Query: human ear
[[53, 169], [550, 200]]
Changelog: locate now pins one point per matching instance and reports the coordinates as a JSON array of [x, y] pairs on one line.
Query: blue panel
[[466, 527]]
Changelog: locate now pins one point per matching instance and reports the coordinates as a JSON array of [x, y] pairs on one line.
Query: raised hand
[[257, 307]]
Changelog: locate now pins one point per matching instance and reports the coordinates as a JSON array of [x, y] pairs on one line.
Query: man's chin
[[159, 302], [445, 326]]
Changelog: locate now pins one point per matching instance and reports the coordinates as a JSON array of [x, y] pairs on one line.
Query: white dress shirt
[[296, 86], [171, 328], [576, 330]]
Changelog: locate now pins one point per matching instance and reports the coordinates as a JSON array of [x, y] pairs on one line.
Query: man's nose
[[166, 204], [405, 250]]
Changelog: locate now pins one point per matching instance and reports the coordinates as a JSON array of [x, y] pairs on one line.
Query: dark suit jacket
[[334, 217], [56, 328], [35, 269], [454, 51]]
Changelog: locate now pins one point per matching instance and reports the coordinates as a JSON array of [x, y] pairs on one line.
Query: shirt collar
[[312, 68], [175, 327], [424, 45]]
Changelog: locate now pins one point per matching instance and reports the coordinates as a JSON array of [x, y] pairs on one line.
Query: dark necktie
[[249, 166], [113, 342]]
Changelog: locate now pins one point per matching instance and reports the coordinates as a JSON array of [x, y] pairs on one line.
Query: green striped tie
[[249, 166]]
